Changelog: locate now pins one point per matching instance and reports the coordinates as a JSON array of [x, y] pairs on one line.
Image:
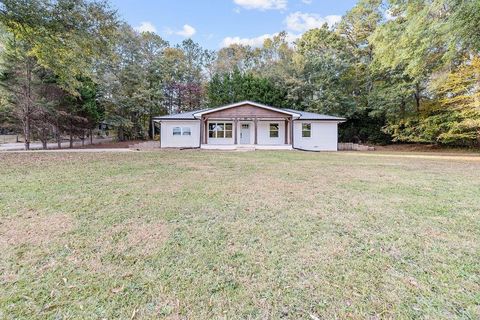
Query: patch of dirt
[[145, 237], [33, 229], [113, 144], [136, 239], [417, 147]]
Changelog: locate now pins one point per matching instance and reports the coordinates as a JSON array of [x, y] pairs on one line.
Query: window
[[186, 131], [177, 131], [306, 130], [273, 130], [220, 130], [228, 130]]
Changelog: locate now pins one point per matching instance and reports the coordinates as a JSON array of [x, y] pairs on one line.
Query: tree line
[[405, 71]]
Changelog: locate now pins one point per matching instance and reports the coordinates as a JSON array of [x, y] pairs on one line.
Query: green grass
[[257, 235]]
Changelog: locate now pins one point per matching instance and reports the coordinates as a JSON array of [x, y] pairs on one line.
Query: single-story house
[[249, 125]]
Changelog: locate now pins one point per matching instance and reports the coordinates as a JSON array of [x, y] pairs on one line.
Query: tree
[[235, 86], [66, 37], [18, 80], [328, 73], [430, 40]]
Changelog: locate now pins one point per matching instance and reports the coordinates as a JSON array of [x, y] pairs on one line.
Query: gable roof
[[241, 103], [298, 115]]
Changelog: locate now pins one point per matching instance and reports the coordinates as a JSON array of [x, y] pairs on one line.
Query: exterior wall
[[263, 137], [168, 140], [324, 136]]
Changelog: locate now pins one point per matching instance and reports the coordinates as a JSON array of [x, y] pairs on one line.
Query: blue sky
[[217, 23]]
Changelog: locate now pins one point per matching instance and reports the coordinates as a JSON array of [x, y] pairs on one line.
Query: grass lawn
[[209, 235]]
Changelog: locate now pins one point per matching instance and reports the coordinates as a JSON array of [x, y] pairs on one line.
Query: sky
[[218, 23]]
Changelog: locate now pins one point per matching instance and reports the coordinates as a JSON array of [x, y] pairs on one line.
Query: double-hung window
[[273, 130], [185, 131], [219, 130], [177, 131], [306, 130]]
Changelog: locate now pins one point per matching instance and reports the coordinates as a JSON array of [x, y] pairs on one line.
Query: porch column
[[235, 129], [291, 131], [205, 130], [286, 131], [201, 132], [256, 130]]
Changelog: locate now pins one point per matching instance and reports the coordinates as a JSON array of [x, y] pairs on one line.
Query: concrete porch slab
[[245, 147]]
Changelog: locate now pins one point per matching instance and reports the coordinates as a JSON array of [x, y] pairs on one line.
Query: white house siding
[[324, 136], [263, 131], [168, 140]]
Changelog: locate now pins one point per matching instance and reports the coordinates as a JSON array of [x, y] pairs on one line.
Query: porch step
[[245, 148]]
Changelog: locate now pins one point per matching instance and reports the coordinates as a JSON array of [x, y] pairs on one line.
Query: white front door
[[245, 134]]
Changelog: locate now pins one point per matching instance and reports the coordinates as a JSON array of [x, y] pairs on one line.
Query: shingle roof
[[303, 115], [180, 116], [315, 116]]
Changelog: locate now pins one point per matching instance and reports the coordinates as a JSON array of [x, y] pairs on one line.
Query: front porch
[[246, 126], [246, 147]]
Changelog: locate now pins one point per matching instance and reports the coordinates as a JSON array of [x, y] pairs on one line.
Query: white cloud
[[187, 31], [262, 4], [301, 22], [297, 23], [255, 41], [307, 1], [146, 26]]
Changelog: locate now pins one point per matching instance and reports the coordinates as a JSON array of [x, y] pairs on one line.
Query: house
[[249, 125]]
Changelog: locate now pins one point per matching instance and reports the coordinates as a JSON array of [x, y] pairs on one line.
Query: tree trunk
[[71, 137], [120, 134], [58, 136], [151, 133], [91, 136], [417, 97], [28, 106], [26, 130]]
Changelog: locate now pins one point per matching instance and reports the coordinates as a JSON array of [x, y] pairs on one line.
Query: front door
[[245, 134]]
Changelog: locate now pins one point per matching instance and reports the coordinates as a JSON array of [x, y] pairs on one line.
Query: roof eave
[[331, 120], [176, 119]]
